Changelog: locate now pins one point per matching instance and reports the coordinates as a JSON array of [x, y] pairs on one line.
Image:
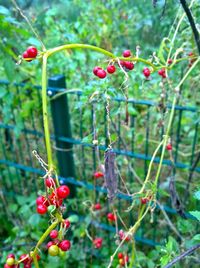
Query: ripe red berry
[[25, 56], [111, 69], [190, 54], [169, 147], [144, 200], [65, 245], [126, 53], [63, 191], [96, 68], [67, 223], [101, 73], [169, 61], [53, 234], [27, 265], [129, 65], [162, 73], [10, 255], [97, 242], [97, 206], [50, 182], [146, 72], [8, 266], [98, 175], [41, 209], [25, 258], [41, 200], [32, 52], [55, 200], [120, 255], [111, 217], [50, 243]]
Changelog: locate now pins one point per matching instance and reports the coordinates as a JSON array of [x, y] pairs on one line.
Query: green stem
[[97, 49], [45, 112]]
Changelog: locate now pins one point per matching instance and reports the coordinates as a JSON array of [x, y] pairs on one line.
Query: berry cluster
[[25, 259], [123, 235], [97, 242], [127, 65], [162, 73], [54, 196], [57, 246], [30, 53], [123, 259], [111, 217]]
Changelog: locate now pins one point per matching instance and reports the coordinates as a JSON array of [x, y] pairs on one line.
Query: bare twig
[[192, 23], [183, 255]]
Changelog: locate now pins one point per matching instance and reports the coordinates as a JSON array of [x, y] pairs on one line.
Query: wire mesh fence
[[82, 129]]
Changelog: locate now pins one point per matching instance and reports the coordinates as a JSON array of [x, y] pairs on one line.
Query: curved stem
[[100, 50]]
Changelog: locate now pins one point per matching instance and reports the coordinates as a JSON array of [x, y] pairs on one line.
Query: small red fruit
[[25, 56], [50, 182], [101, 73], [41, 209], [41, 200], [8, 266], [190, 54], [169, 147], [146, 72], [129, 65], [96, 69], [65, 245], [97, 206], [111, 217], [98, 175], [63, 191], [126, 53], [120, 255], [25, 258], [97, 242], [111, 69], [169, 61], [27, 265], [10, 255], [162, 73], [67, 223], [53, 234], [144, 200], [32, 52], [50, 243]]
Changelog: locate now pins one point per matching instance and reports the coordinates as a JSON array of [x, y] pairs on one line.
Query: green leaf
[[196, 214], [4, 10], [132, 111], [3, 92], [73, 218]]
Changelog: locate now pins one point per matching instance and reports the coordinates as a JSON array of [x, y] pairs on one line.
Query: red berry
[[111, 217], [27, 265], [53, 234], [63, 191], [129, 65], [41, 200], [65, 245], [162, 73], [120, 255], [50, 182], [25, 56], [144, 201], [55, 200], [25, 257], [10, 255], [41, 209], [126, 53], [111, 69], [32, 52], [96, 69], [169, 147], [50, 243], [169, 61], [146, 72], [101, 73], [67, 223], [97, 242], [97, 206], [98, 175], [190, 54], [8, 266]]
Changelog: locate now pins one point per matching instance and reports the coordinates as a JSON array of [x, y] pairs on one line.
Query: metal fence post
[[62, 128]]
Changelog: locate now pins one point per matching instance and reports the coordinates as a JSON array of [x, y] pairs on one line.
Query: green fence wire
[[76, 126]]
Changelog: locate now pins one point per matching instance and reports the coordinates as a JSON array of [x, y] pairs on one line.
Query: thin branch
[[192, 23], [183, 255]]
